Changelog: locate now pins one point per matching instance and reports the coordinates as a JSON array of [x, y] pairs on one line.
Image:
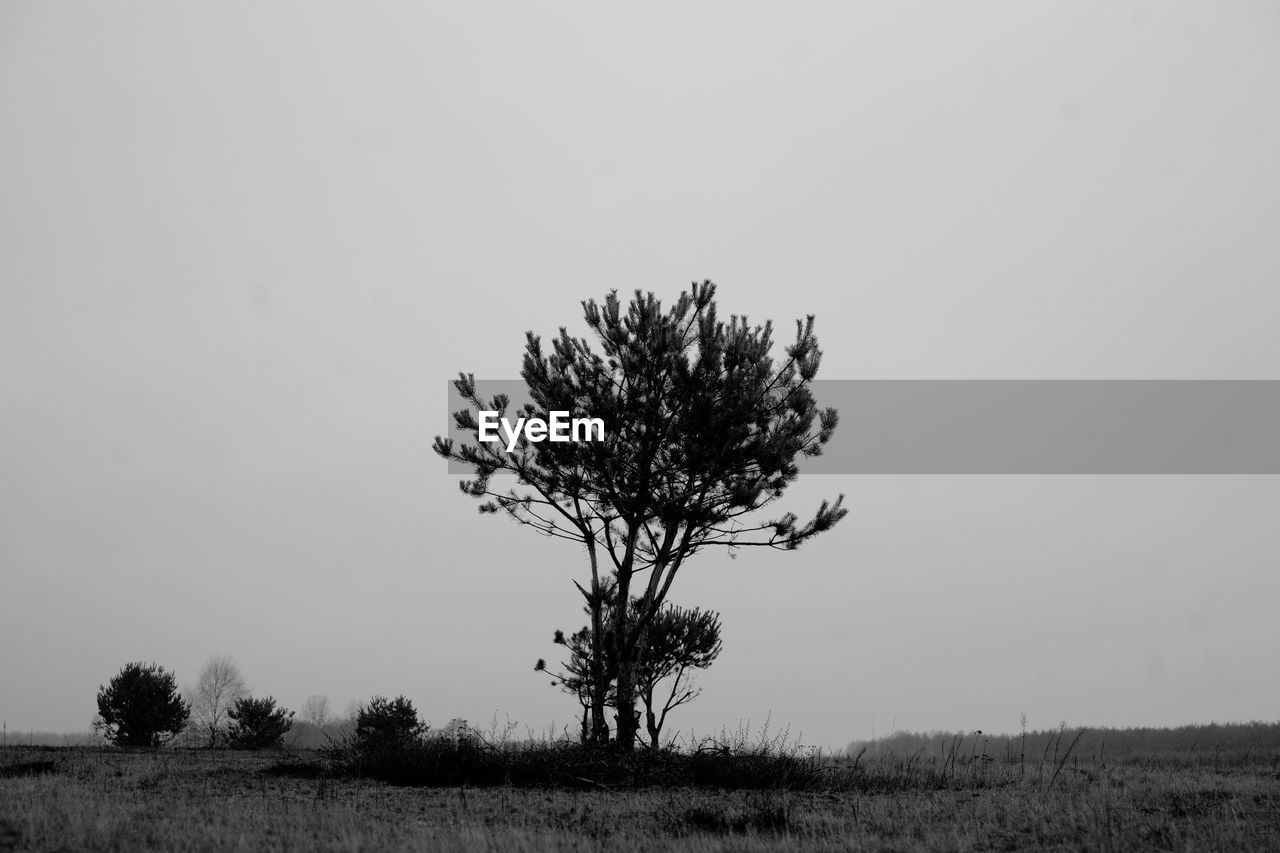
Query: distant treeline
[[1107, 743], [11, 737], [303, 735]]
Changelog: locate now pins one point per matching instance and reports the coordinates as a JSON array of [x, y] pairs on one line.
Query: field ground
[[97, 799]]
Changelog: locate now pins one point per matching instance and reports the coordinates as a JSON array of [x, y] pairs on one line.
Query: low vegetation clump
[[415, 755], [140, 706], [258, 723]]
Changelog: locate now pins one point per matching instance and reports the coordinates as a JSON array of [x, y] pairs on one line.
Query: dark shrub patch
[[28, 768], [444, 761], [297, 770], [759, 814]]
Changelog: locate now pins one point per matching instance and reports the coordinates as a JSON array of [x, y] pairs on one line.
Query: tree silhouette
[[140, 706], [316, 710], [702, 429], [586, 649], [258, 723], [387, 725], [679, 641], [219, 687]]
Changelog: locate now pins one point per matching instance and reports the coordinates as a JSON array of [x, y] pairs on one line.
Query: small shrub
[[141, 706], [258, 723], [386, 743], [388, 724]]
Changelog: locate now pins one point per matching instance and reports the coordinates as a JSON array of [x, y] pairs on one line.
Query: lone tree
[[679, 641], [316, 710], [258, 723], [702, 429], [387, 725], [219, 687], [140, 706]]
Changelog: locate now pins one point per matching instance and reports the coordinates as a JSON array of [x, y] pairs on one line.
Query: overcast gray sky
[[243, 245]]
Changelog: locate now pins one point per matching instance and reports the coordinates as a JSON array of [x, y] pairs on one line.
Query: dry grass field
[[100, 799]]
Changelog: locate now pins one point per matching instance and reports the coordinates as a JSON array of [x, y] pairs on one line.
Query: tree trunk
[[650, 719], [626, 648], [599, 687], [599, 723], [628, 724], [630, 663]]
